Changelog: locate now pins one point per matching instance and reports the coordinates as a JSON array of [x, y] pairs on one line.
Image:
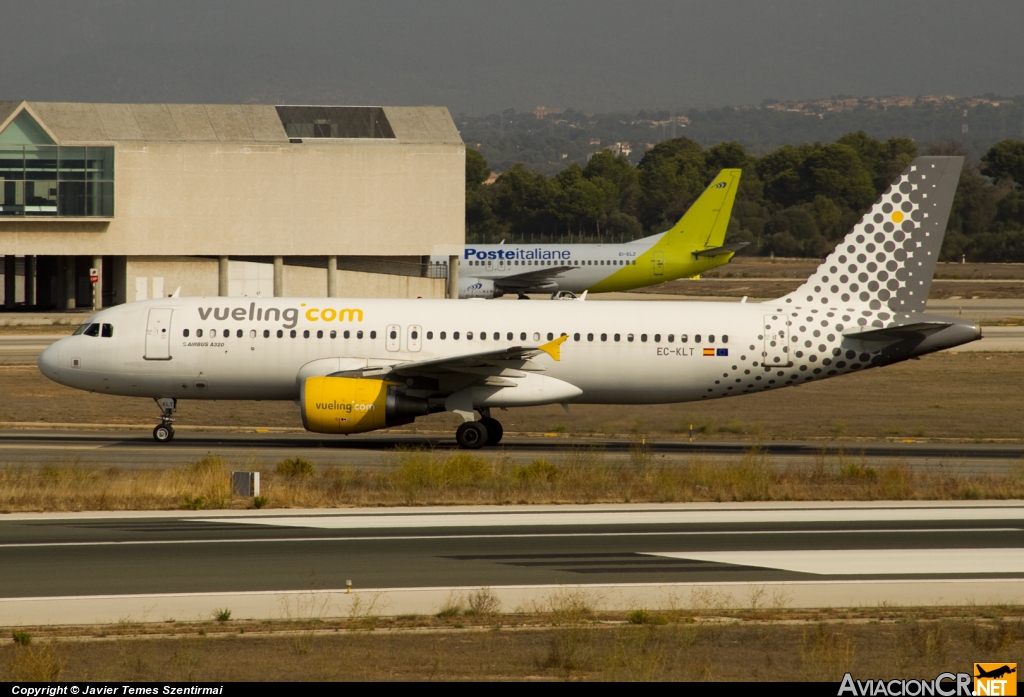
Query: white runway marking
[[359, 521], [870, 562]]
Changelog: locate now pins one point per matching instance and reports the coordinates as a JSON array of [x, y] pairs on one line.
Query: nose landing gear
[[164, 432]]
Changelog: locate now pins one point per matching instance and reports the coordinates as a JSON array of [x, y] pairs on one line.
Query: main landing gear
[[476, 434], [164, 432]]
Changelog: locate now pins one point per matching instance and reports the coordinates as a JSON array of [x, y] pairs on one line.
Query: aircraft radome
[[360, 365], [692, 246]]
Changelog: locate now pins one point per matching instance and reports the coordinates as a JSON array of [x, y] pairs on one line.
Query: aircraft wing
[[480, 363], [531, 279], [899, 332]]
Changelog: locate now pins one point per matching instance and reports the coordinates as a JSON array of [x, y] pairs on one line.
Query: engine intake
[[355, 405]]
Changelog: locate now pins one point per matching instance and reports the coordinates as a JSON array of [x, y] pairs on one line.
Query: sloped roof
[[423, 124], [6, 110], [79, 122], [82, 122]]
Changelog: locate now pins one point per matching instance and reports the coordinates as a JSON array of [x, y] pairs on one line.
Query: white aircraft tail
[[886, 263]]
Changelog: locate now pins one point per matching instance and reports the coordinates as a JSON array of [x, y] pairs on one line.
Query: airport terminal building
[[201, 199]]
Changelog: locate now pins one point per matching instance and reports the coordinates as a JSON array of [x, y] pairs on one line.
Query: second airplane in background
[[692, 246]]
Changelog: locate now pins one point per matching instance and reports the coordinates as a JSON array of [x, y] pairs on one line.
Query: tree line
[[796, 201]]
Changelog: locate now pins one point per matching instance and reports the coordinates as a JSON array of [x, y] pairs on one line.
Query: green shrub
[[296, 467], [21, 637]]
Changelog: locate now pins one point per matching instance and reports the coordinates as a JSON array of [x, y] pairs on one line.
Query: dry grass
[[419, 477], [564, 641]]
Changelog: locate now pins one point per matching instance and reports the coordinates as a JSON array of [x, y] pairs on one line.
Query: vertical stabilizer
[[888, 259], [705, 223]]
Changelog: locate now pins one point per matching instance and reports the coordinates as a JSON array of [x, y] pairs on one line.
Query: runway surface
[[135, 449], [847, 545]]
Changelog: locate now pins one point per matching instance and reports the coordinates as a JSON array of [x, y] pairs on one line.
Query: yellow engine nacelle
[[355, 405]]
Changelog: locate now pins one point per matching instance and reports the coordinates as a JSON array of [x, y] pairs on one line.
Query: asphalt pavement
[[149, 556]]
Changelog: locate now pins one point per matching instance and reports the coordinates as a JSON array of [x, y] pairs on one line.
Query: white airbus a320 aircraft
[[361, 365]]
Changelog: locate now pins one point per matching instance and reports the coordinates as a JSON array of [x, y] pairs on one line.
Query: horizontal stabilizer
[[724, 249], [899, 332]]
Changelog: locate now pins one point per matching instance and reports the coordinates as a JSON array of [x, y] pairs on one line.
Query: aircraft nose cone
[[49, 361]]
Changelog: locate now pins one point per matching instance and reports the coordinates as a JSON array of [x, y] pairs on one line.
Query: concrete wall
[[315, 198], [199, 277]]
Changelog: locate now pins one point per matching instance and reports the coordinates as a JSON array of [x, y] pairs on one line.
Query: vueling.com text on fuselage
[[287, 316]]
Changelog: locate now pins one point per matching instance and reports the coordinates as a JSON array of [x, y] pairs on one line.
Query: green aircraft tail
[[704, 225]]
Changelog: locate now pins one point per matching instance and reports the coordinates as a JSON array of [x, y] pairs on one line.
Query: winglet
[[554, 348]]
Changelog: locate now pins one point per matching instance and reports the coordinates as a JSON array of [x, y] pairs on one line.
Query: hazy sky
[[485, 55]]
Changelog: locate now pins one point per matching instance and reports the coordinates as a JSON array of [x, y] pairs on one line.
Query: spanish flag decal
[[709, 352]]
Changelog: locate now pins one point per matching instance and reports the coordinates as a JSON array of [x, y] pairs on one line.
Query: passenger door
[[158, 334], [776, 341], [393, 337], [415, 337]]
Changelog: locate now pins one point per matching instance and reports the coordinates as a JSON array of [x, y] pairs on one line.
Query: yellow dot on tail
[[897, 217]]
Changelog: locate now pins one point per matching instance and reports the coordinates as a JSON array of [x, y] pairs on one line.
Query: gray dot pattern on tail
[[879, 274]]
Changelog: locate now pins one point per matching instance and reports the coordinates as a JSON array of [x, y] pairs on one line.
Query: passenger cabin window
[[280, 333], [334, 334], [227, 333], [199, 333], [430, 335], [725, 338], [711, 338], [604, 337], [292, 333], [696, 338], [347, 334], [184, 333], [239, 333], [683, 338], [618, 337], [359, 334], [629, 337], [373, 335], [550, 336], [266, 333], [319, 333], [442, 336], [305, 333], [455, 336]]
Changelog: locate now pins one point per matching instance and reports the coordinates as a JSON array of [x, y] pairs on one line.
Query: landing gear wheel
[[472, 435], [163, 434], [494, 430]]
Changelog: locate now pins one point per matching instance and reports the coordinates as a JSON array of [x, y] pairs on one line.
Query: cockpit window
[[93, 330], [108, 331], [81, 328]]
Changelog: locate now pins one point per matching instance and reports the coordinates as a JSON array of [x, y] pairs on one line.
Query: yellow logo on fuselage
[[329, 314]]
